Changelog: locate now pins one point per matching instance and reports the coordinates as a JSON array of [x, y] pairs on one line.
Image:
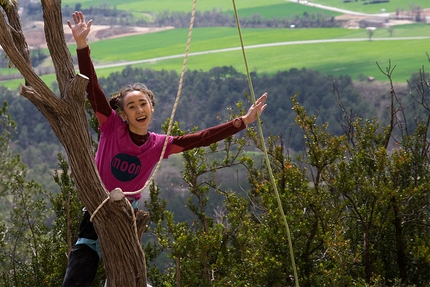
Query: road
[[338, 10]]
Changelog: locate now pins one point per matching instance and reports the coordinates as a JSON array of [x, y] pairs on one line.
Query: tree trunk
[[115, 222]]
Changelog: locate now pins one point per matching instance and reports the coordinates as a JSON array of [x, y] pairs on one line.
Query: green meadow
[[355, 58], [281, 11], [353, 55], [336, 58]]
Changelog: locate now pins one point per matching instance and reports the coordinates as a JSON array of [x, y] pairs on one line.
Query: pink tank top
[[123, 164]]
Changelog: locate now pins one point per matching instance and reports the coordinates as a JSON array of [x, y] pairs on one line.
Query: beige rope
[[134, 221], [167, 134], [178, 95], [131, 208], [132, 212], [98, 208]]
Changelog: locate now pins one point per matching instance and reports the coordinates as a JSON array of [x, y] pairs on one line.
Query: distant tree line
[[106, 15], [206, 96], [205, 99], [216, 18], [37, 57]]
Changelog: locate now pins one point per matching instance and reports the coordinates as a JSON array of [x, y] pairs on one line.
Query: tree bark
[[118, 227]]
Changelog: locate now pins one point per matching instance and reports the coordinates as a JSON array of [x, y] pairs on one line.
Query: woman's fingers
[[78, 17], [261, 103], [261, 99]]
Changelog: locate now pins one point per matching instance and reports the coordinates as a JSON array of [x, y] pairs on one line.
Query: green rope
[[272, 178]]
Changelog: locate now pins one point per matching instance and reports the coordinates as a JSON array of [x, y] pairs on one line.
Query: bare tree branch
[[54, 35]]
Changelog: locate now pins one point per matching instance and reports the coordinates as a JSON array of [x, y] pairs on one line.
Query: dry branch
[[54, 34]]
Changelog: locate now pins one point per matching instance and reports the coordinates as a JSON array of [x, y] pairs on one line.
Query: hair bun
[[114, 102]]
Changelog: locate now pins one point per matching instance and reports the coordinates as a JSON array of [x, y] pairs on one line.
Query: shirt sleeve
[[95, 94], [206, 137]]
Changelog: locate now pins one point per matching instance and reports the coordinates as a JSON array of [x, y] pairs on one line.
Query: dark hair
[[116, 100]]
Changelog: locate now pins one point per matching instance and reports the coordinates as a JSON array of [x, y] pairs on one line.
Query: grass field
[[334, 58], [356, 58], [281, 11]]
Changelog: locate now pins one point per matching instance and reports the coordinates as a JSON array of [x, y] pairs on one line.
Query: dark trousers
[[83, 260]]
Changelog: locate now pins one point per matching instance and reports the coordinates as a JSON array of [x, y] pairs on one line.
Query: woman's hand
[[257, 108], [80, 29]]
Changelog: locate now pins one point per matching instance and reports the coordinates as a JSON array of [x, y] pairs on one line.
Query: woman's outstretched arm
[[95, 94]]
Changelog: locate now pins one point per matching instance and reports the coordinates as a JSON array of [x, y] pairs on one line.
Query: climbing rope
[[99, 207], [167, 136], [260, 131], [178, 95]]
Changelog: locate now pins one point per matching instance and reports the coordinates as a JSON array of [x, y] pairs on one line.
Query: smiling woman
[[127, 152], [136, 105]]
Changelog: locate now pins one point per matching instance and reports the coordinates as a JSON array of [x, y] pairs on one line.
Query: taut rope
[[260, 131]]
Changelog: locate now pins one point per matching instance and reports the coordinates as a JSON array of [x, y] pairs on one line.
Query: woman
[[127, 151]]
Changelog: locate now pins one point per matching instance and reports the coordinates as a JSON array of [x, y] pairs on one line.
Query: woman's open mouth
[[141, 119]]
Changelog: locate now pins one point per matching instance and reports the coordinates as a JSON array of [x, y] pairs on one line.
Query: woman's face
[[137, 110]]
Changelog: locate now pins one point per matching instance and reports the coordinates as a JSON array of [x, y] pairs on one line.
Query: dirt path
[[35, 34]]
